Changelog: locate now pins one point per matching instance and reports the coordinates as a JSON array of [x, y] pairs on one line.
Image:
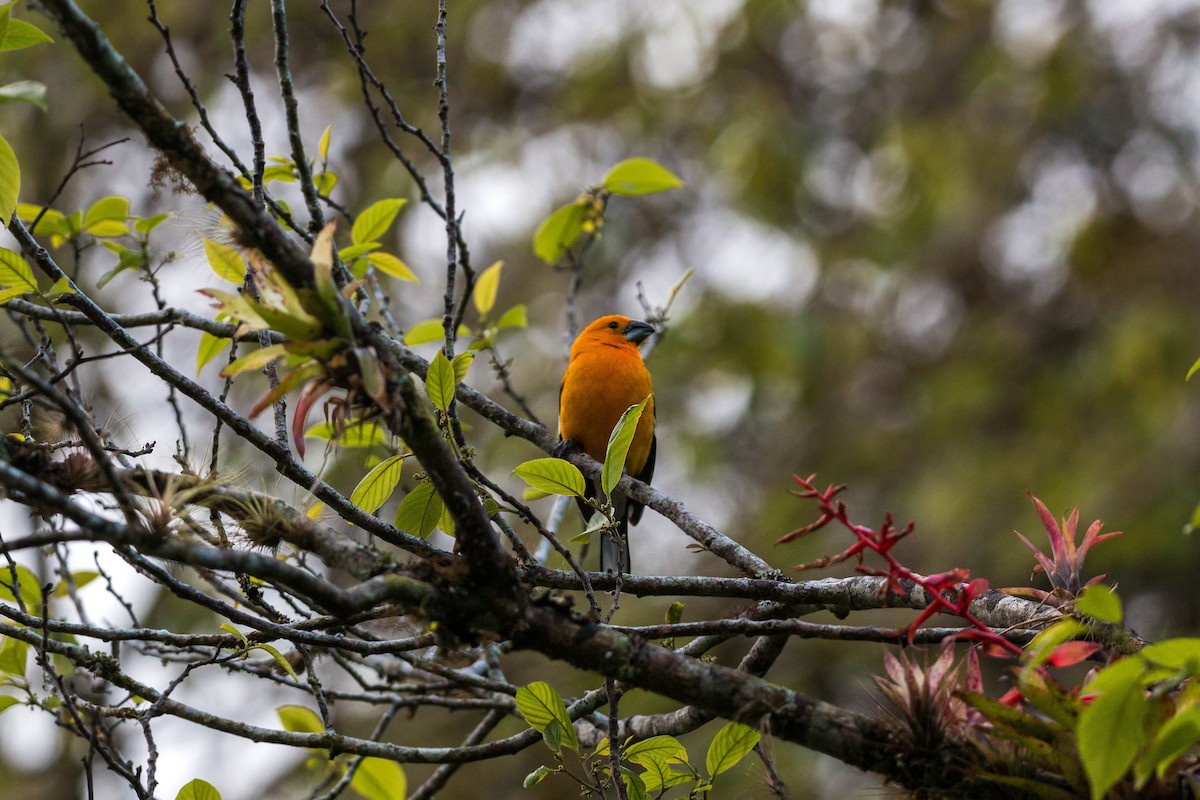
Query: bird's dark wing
[[645, 476]]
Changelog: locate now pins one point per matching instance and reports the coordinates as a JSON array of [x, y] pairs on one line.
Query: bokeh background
[[945, 253]]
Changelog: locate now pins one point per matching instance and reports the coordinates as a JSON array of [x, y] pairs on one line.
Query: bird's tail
[[614, 548]]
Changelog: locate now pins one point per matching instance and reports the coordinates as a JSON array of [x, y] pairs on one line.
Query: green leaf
[[1100, 602], [674, 613], [21, 34], [210, 346], [323, 145], [420, 511], [80, 579], [226, 263], [540, 705], [7, 702], [389, 264], [378, 484], [461, 364], [14, 657], [27, 585], [666, 748], [283, 663], [535, 777], [10, 181], [1044, 643], [618, 445], [558, 232], [144, 225], [225, 626], [439, 381], [379, 779], [1178, 735], [515, 317], [299, 719], [61, 288], [1110, 733], [239, 307], [487, 286], [729, 746], [348, 254], [355, 436], [659, 774], [429, 330], [198, 789], [15, 272], [107, 216], [1174, 655], [373, 222], [254, 360], [553, 476], [638, 176], [1193, 370], [32, 92]]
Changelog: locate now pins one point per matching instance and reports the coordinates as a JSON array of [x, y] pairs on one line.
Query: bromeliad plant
[[1064, 565], [320, 353]]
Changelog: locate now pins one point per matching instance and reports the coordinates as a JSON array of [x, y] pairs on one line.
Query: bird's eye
[[612, 324]]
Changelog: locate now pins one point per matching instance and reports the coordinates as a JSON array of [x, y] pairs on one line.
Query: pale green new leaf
[[279, 659], [10, 181], [32, 92], [378, 484], [420, 511], [389, 264], [380, 779], [226, 263], [558, 232], [107, 216], [515, 317], [21, 34], [487, 285], [540, 705], [28, 587], [553, 476], [439, 381], [81, 579], [373, 222], [299, 719], [198, 790], [323, 145], [15, 272], [423, 332], [7, 702], [225, 626], [210, 346], [667, 748], [729, 746], [461, 364], [61, 288], [14, 657], [255, 360], [618, 445], [638, 176]]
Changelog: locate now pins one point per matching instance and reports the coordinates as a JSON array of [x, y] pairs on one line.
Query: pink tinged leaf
[[312, 392], [973, 673], [1095, 580], [1070, 653], [937, 670], [1051, 525], [975, 588], [892, 666], [1012, 698], [1044, 563]]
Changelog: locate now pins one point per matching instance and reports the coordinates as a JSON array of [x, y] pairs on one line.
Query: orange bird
[[605, 376]]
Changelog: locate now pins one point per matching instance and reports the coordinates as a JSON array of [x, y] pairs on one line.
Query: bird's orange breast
[[600, 383]]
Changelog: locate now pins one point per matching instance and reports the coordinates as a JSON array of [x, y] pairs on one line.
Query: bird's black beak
[[637, 331]]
